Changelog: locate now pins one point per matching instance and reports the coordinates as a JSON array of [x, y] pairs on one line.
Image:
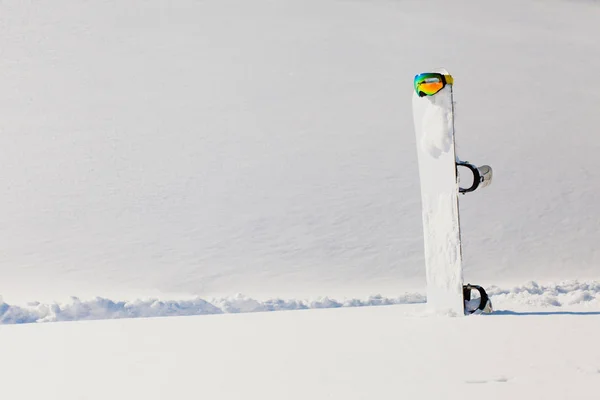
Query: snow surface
[[168, 155], [549, 298], [210, 148], [435, 120], [358, 353]]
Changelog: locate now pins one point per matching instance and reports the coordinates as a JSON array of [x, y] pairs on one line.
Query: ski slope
[[355, 353], [210, 148], [158, 159]]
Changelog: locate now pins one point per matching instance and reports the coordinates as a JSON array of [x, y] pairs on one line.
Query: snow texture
[[212, 148], [167, 150], [100, 308], [550, 295], [564, 294], [437, 125], [394, 352]]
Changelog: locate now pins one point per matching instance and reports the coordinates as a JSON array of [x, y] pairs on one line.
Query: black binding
[[476, 177], [483, 295]]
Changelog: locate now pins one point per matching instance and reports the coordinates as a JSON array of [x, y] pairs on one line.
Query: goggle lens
[[430, 84]]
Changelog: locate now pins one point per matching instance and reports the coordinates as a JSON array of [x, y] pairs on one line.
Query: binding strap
[[483, 300]]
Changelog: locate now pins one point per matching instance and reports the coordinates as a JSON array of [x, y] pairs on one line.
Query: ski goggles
[[430, 83]]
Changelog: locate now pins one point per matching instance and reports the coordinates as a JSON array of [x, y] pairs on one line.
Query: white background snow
[[166, 156]]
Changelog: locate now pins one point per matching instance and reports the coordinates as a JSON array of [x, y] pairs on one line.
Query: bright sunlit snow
[[209, 148], [158, 158]]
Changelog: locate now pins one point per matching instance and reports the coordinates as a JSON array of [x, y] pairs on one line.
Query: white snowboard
[[434, 127]]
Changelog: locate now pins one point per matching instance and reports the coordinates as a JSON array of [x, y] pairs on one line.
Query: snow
[[158, 158], [205, 148], [557, 297], [436, 122], [355, 353]]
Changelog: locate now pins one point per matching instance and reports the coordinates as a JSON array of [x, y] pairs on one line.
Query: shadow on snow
[[508, 312]]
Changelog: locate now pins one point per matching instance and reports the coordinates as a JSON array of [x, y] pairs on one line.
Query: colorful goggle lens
[[430, 83]]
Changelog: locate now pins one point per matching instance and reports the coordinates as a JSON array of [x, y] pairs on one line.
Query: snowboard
[[434, 128]]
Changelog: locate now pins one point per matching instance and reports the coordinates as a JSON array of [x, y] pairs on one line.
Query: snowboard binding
[[482, 176], [481, 305]]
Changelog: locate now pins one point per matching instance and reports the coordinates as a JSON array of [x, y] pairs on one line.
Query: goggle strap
[[447, 79]]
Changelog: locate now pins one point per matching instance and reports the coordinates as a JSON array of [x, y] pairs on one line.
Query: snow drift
[[553, 296]]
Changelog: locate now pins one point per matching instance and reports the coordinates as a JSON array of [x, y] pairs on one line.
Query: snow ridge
[[563, 294], [101, 308], [568, 293]]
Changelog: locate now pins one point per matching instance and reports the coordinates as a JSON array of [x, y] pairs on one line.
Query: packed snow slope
[[392, 352], [267, 147]]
